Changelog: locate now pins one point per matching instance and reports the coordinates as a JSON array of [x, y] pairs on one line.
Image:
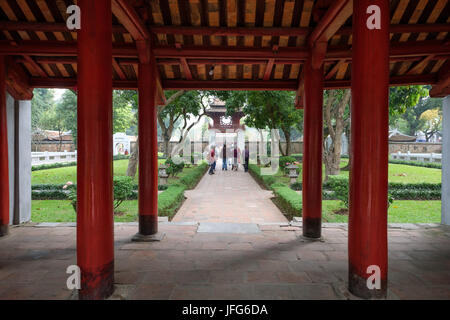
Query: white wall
[[23, 140]]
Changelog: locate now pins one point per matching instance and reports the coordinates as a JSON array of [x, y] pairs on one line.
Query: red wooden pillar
[[148, 146], [95, 234], [312, 148], [367, 236], [4, 171]]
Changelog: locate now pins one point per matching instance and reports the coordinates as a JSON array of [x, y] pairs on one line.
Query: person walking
[[246, 158], [224, 158], [212, 160], [236, 155]]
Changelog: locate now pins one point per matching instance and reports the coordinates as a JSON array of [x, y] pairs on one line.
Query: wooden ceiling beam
[[290, 85], [221, 31]]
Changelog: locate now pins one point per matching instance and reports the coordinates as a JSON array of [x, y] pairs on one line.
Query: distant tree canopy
[[266, 110], [43, 100], [405, 97]]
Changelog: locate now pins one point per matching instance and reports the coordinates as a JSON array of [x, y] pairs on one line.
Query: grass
[[401, 211], [62, 175]]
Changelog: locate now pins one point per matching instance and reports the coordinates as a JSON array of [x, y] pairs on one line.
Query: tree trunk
[[133, 162]]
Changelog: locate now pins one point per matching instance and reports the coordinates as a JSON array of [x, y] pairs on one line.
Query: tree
[[123, 103], [67, 106], [405, 97], [432, 122], [410, 122], [265, 110], [53, 120], [336, 119], [43, 100], [134, 157]]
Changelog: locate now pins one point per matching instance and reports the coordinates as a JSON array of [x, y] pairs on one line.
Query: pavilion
[[300, 45]]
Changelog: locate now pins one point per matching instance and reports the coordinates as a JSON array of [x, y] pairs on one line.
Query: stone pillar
[[445, 212]]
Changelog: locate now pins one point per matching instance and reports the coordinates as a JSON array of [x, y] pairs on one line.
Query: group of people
[[233, 154]]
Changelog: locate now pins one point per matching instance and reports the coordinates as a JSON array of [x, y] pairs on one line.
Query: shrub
[[123, 189], [190, 180], [296, 186], [288, 200], [286, 160], [170, 200], [341, 193], [172, 168]]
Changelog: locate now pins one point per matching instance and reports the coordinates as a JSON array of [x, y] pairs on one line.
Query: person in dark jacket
[[247, 157], [224, 158]]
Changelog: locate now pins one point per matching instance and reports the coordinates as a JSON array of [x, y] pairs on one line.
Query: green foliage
[[170, 200], [173, 169], [190, 180], [42, 102], [265, 109], [284, 161], [67, 107], [289, 201], [341, 193], [296, 186], [405, 97], [123, 103], [53, 166], [123, 189]]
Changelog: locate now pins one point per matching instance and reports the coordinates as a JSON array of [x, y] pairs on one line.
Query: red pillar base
[[148, 225], [4, 230], [97, 284], [312, 227], [358, 287]]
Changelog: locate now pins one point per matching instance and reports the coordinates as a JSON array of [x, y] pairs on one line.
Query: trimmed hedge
[[289, 201], [69, 164], [265, 181], [399, 191], [190, 180], [170, 200]]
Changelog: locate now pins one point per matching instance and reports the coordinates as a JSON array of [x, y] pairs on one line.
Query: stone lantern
[[162, 174], [292, 172]]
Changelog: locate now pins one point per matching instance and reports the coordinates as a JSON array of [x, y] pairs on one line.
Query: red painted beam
[[222, 31], [62, 48], [186, 70], [128, 17], [219, 52], [269, 68], [56, 48], [35, 66], [332, 21], [95, 229], [17, 81], [443, 82], [368, 192], [230, 31], [290, 85], [4, 171], [44, 27]]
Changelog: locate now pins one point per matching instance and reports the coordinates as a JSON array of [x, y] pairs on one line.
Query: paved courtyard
[[229, 196], [275, 263]]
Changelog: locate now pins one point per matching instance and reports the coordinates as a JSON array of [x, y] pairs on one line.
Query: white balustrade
[[38, 158], [420, 157]]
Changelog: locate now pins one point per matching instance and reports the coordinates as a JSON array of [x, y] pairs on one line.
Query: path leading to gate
[[229, 197]]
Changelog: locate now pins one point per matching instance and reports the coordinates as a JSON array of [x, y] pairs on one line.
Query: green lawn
[[401, 211], [62, 211], [397, 173]]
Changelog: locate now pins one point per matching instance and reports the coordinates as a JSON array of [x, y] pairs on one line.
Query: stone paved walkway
[[229, 196], [276, 263]]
